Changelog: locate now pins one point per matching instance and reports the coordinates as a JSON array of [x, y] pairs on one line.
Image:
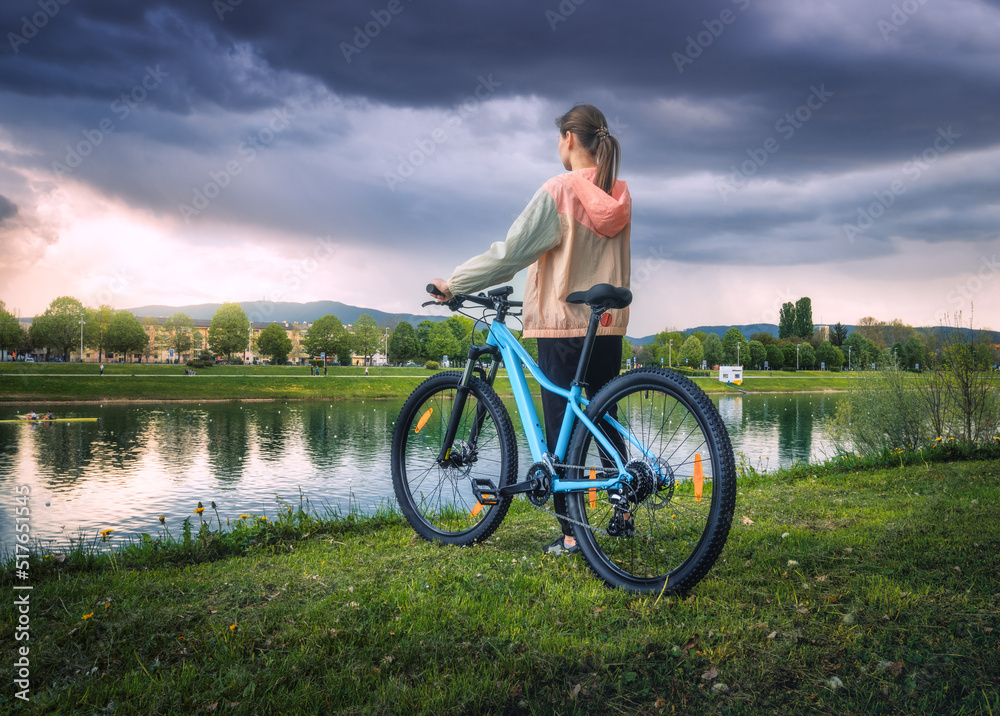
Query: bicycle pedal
[[486, 491]]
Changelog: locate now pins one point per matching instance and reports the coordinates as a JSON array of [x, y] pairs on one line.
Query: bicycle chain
[[565, 517]]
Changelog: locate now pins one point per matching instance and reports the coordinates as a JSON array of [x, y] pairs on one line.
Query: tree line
[[60, 328]]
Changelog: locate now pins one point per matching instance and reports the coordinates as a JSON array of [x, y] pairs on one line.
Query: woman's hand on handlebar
[[438, 288]]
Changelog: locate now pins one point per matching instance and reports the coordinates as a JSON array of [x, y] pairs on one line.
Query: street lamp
[[737, 353], [385, 339], [849, 358], [81, 337], [670, 353], [797, 355]]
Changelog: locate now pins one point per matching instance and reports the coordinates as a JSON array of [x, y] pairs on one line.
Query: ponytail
[[587, 122]]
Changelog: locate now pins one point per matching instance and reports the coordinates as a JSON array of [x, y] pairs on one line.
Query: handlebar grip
[[433, 290]]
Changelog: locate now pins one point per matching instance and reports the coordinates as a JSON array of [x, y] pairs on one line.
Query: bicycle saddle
[[603, 295]]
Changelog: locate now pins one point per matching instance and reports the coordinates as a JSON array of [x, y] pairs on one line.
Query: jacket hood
[[609, 213]]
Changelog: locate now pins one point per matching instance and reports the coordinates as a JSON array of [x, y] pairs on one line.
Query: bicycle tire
[[675, 537], [439, 501]]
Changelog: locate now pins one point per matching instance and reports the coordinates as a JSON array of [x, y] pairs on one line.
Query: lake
[[142, 461]]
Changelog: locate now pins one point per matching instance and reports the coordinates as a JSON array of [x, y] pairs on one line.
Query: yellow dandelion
[[108, 531], [264, 519], [243, 517], [87, 616], [232, 627], [199, 510], [163, 518]]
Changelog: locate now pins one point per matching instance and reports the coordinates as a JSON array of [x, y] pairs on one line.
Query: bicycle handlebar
[[495, 297]]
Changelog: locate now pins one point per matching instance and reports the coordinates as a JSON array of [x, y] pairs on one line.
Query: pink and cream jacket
[[572, 235]]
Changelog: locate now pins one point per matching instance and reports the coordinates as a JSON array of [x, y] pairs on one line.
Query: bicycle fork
[[485, 490]]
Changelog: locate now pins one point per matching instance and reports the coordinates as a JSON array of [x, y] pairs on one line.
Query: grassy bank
[[22, 382], [870, 591]]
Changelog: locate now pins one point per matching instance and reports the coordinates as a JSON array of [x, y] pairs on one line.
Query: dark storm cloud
[[8, 208], [747, 91]]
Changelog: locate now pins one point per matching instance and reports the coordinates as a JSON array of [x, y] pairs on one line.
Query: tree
[[327, 335], [803, 326], [757, 354], [691, 353], [712, 348], [838, 334], [179, 329], [775, 358], [462, 327], [95, 328], [274, 344], [789, 356], [403, 344], [11, 333], [441, 342], [763, 337], [423, 332], [830, 355], [860, 351], [735, 347], [125, 335], [58, 329], [229, 331], [807, 356], [366, 337], [913, 355], [786, 320]]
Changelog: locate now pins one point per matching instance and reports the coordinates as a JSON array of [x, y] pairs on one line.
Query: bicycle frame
[[514, 357]]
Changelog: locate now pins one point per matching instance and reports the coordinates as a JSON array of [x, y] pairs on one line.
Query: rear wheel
[[664, 530], [438, 499]]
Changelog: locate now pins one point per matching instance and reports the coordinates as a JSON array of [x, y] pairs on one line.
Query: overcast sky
[[190, 151]]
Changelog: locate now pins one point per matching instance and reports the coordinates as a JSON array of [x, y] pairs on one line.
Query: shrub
[[432, 365], [200, 364]]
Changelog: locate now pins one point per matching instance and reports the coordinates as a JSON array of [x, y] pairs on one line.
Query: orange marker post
[[699, 477], [593, 491]]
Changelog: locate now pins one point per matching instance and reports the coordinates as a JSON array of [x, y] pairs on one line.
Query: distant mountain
[[747, 330], [291, 312]]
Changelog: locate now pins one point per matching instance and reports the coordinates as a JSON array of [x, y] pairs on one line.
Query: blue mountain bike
[[646, 463]]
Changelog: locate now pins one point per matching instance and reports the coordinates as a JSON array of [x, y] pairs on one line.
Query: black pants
[[558, 359]]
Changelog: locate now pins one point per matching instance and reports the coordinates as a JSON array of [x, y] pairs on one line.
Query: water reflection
[[137, 463]]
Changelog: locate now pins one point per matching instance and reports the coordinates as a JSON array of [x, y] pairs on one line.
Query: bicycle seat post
[[588, 346]]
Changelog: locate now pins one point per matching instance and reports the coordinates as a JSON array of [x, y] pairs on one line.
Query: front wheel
[[438, 497], [663, 531]]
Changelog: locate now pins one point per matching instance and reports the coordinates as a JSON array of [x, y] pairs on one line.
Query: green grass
[[884, 579], [138, 381]]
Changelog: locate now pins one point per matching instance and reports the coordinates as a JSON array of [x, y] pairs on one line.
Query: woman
[[573, 234]]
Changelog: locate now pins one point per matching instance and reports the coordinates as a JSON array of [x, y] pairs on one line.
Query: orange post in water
[[699, 477], [592, 491]]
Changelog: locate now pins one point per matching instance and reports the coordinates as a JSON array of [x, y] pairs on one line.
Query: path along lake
[[139, 462]]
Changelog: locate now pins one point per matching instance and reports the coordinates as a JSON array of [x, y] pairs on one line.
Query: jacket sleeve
[[535, 231]]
